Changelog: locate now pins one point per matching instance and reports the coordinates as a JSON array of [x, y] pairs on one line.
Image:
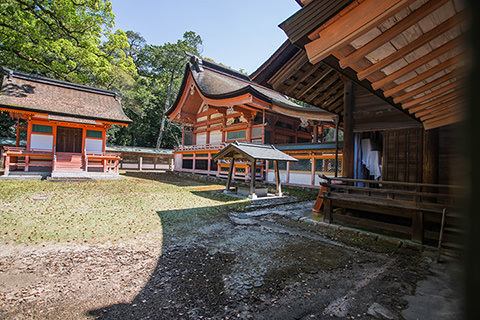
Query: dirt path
[[271, 268]]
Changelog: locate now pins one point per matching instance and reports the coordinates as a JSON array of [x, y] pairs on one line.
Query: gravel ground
[[257, 267]]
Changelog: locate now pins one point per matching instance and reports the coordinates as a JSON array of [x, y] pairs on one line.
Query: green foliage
[[63, 39], [145, 101]]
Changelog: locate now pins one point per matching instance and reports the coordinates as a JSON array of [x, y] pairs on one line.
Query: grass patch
[[144, 203]]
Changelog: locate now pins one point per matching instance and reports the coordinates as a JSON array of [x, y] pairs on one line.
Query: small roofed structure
[[253, 152], [66, 125]]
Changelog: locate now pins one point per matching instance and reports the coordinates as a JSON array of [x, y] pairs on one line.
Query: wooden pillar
[[29, 133], [253, 168], [417, 227], [430, 157], [155, 163], [336, 146], [171, 164], [230, 174], [17, 140], [315, 133], [313, 170], [140, 163], [348, 141], [209, 164], [288, 171], [277, 179]]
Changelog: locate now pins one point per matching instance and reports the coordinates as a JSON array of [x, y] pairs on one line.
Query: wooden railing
[[19, 157], [108, 161], [410, 206]]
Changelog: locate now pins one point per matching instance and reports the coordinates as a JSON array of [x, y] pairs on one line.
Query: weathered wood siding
[[403, 155]]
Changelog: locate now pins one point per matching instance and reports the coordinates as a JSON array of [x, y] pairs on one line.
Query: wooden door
[[69, 139]]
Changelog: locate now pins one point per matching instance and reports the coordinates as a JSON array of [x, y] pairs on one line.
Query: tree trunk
[[167, 105]]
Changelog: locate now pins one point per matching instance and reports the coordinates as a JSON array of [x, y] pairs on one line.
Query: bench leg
[[417, 226], [327, 213]]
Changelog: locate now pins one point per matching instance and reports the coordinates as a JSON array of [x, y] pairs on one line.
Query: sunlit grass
[[38, 211]]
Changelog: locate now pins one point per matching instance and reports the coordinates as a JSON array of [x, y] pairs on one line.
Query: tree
[[63, 39], [166, 64]]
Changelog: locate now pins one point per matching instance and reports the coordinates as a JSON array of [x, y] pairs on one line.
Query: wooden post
[[327, 213], [171, 165], [417, 226], [288, 172], [336, 146], [17, 140], [155, 163], [277, 179], [315, 133], [7, 164], [312, 170], [348, 141], [230, 174], [140, 163], [430, 160], [253, 168]]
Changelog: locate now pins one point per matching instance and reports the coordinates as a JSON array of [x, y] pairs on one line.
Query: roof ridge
[[60, 83]]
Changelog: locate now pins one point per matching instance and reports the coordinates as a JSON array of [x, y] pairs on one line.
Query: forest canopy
[[74, 40]]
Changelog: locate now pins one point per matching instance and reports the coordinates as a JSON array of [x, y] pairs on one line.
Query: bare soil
[[269, 267]]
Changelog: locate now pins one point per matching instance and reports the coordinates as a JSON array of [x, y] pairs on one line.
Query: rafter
[[452, 44], [392, 32], [432, 115], [423, 112], [449, 76], [311, 70], [412, 46], [314, 81], [436, 101], [433, 94], [361, 19], [422, 76]]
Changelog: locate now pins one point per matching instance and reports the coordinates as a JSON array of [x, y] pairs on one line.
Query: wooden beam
[[253, 168], [422, 76], [314, 81], [415, 44], [441, 91], [436, 101], [428, 125], [438, 107], [427, 86], [311, 70], [333, 89], [438, 113], [277, 179], [353, 24], [452, 44], [230, 174], [348, 125], [287, 70], [455, 116], [323, 87]]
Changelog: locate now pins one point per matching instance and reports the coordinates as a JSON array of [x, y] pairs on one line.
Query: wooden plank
[[348, 125], [353, 24], [369, 223], [424, 112], [436, 101], [422, 76], [449, 76], [450, 109], [310, 71], [410, 47], [394, 31], [314, 82], [438, 92], [452, 44], [417, 227], [444, 121]]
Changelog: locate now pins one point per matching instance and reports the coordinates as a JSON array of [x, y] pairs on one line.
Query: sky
[[241, 34]]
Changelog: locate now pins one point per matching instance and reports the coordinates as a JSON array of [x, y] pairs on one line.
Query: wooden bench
[[420, 203]]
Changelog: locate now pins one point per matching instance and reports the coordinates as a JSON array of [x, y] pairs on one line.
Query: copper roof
[[25, 92]]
